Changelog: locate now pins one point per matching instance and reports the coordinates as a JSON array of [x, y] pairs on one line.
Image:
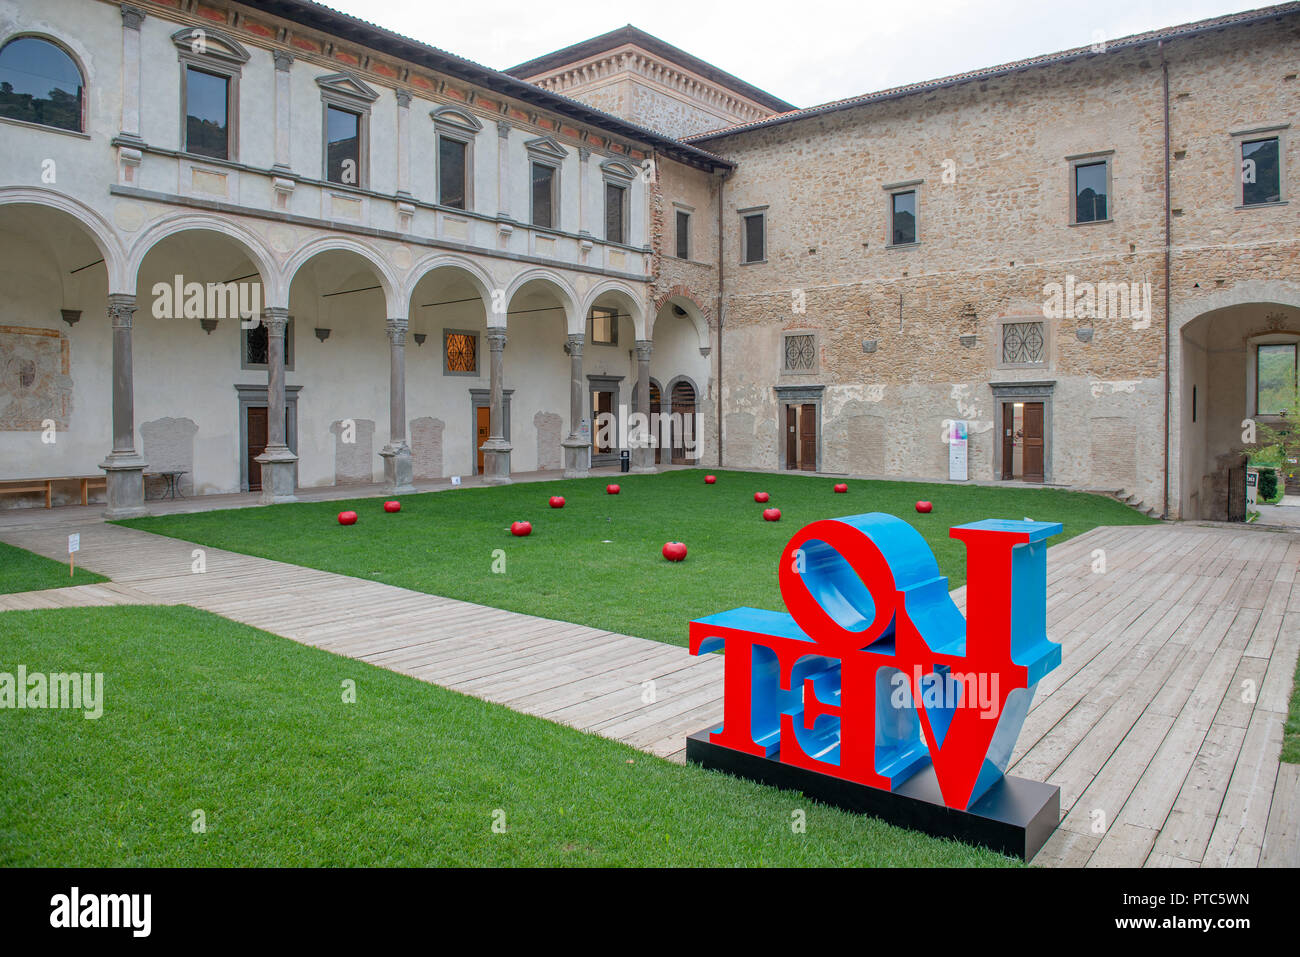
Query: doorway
[[253, 431], [801, 437], [605, 424], [482, 429], [256, 432], [1023, 446], [683, 423]]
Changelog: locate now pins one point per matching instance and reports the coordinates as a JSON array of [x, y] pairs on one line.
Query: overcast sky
[[807, 52]]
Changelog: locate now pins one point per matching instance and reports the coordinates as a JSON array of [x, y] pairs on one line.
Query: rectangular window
[[543, 196], [342, 146], [1261, 172], [1275, 378], [452, 170], [755, 238], [1091, 189], [207, 113], [902, 218], [800, 353], [459, 352], [1023, 343], [604, 327], [683, 235], [255, 345], [614, 205]]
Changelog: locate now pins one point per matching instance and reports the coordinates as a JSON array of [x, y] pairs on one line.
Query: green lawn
[[203, 714], [21, 570], [597, 561], [1291, 733]]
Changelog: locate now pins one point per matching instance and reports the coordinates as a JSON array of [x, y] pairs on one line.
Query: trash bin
[[624, 460]]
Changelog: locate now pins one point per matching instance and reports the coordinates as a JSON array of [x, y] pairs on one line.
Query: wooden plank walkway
[[1162, 726]]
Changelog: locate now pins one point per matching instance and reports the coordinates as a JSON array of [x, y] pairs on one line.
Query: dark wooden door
[[256, 433], [683, 419], [808, 438], [1031, 449], [656, 404], [791, 437], [482, 429], [1008, 440]]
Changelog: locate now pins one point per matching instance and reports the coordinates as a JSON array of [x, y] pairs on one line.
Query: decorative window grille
[[800, 354], [462, 352], [1022, 343]]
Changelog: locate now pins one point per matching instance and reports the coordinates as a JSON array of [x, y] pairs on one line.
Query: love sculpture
[[876, 694]]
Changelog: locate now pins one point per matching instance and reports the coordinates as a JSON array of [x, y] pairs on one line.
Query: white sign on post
[[455, 480], [957, 450], [74, 543]]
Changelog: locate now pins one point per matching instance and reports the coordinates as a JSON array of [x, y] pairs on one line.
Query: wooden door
[[603, 425], [1031, 449], [683, 399], [808, 438], [1008, 440], [482, 429], [791, 437], [255, 431], [655, 407]]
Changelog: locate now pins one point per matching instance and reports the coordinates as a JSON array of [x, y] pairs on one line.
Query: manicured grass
[[21, 570], [1291, 733], [203, 714], [597, 561]]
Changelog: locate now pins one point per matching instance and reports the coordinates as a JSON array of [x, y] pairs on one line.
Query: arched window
[[40, 83]]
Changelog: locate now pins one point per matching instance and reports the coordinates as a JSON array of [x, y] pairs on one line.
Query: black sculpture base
[[1015, 817]]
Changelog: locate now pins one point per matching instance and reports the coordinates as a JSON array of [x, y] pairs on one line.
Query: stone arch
[[394, 298], [475, 273], [574, 318], [273, 279], [627, 295], [698, 316], [120, 278]]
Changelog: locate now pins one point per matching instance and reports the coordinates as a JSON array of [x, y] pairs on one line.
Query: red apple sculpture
[[347, 518], [924, 507], [761, 496], [710, 479], [521, 528], [611, 489], [674, 551], [392, 506], [841, 487], [557, 501], [771, 515]]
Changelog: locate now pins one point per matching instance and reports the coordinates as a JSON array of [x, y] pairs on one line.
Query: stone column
[[503, 169], [496, 450], [577, 448], [283, 94], [584, 211], [277, 461], [404, 143], [132, 17], [643, 453], [125, 469], [398, 468]]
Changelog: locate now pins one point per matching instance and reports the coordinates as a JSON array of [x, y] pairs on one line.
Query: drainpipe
[[722, 180], [1164, 73]]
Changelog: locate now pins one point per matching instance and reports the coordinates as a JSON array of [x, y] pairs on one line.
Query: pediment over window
[[348, 86], [545, 146], [618, 170], [206, 42], [455, 119]]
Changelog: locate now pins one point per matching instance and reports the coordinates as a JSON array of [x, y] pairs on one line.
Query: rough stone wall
[[894, 325], [426, 447]]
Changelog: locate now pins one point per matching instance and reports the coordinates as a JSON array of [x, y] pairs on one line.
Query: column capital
[[584, 153], [404, 99], [573, 344], [120, 308], [496, 339], [643, 349], [503, 128], [275, 318], [132, 17], [396, 329], [283, 60]]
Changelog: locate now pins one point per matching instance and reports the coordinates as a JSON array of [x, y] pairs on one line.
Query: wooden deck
[[1162, 726]]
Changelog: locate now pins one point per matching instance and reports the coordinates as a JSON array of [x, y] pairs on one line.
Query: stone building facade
[[1077, 260]]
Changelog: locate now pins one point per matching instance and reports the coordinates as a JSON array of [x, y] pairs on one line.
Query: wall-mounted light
[[71, 316], [419, 337], [1083, 333], [868, 345], [967, 341], [208, 325], [322, 334]]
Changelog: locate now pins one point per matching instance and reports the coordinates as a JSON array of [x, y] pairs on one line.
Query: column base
[[124, 485], [643, 462], [496, 462], [577, 457], [399, 470], [277, 475]]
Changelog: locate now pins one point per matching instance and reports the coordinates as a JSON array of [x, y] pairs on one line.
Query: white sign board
[[455, 480], [957, 442], [1252, 486], [74, 543]]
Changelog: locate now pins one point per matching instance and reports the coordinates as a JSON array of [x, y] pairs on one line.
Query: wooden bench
[[46, 485]]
